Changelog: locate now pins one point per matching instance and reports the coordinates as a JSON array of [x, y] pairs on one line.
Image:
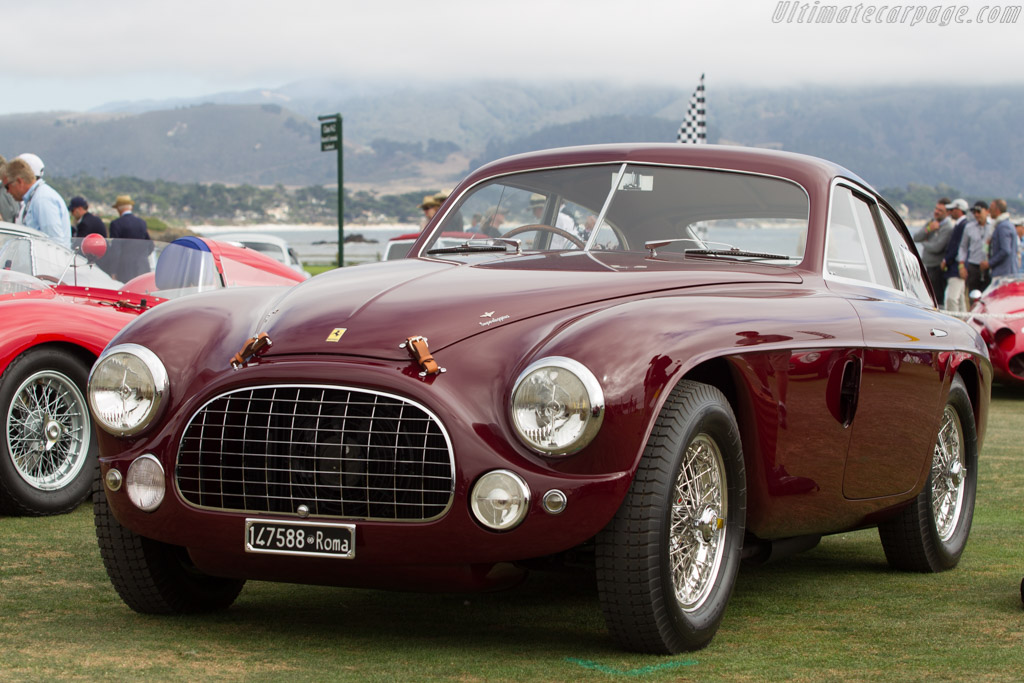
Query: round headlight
[[557, 406], [145, 483], [126, 389], [500, 500]]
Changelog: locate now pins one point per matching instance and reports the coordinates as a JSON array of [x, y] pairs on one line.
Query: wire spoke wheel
[[667, 563], [948, 475], [930, 533], [48, 431], [698, 526]]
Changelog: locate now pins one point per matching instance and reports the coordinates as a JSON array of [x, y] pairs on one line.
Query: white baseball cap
[[34, 162]]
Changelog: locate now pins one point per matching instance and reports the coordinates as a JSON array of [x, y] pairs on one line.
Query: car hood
[[370, 310]]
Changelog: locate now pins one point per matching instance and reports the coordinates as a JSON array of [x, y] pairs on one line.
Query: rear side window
[[855, 249], [907, 263]]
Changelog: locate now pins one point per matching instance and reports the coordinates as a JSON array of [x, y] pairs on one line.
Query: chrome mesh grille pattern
[[340, 452]]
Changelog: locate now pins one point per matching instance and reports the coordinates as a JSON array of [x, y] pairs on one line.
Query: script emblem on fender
[[491, 319]]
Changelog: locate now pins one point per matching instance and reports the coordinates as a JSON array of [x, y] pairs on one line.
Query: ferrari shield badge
[[335, 334]]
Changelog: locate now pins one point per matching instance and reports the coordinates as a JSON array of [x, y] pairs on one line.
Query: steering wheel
[[546, 228]]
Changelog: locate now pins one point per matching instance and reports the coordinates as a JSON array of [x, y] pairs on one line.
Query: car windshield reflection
[[147, 267], [688, 213]]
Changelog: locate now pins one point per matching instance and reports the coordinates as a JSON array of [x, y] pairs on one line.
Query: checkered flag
[[694, 130]]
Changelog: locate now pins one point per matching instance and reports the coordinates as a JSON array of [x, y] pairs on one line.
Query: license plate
[[316, 539]]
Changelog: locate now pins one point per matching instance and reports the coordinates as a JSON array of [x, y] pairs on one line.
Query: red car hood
[[379, 306]]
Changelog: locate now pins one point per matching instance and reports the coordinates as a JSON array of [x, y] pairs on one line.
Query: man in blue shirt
[[973, 254], [41, 207]]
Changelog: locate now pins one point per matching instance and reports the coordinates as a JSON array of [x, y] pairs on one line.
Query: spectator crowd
[[963, 248], [26, 199]]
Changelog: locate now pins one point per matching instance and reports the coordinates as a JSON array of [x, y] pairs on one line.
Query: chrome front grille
[[339, 452]]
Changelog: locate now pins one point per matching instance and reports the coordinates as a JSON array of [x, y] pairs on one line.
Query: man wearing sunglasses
[[972, 259], [42, 208]]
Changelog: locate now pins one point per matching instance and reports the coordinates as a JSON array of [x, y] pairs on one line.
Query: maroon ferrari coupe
[[678, 357]]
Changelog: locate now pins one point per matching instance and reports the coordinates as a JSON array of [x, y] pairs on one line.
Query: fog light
[[113, 479], [554, 501], [145, 483], [500, 500]]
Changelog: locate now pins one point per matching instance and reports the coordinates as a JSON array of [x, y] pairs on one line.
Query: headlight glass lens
[[126, 389], [557, 406], [500, 500], [145, 483]]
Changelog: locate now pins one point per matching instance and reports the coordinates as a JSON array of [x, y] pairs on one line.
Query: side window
[[855, 249], [906, 260]]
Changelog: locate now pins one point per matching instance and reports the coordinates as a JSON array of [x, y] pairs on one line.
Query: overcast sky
[[65, 54]]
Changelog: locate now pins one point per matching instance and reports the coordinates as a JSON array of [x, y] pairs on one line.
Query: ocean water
[[319, 243]]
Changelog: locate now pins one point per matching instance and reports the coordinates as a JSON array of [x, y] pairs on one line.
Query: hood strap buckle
[[254, 347], [417, 347]]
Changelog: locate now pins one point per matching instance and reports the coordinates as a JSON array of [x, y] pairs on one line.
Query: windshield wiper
[[736, 252], [654, 245], [480, 246]]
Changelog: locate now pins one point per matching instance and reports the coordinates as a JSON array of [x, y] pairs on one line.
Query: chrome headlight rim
[[595, 398], [158, 375]]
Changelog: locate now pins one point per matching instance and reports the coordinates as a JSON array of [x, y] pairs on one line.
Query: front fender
[[640, 350], [33, 323]]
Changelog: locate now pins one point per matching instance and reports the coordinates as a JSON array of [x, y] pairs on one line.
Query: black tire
[[153, 577], [47, 449], [930, 534], [637, 584]]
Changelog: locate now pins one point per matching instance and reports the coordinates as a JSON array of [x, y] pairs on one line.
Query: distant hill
[[399, 138]]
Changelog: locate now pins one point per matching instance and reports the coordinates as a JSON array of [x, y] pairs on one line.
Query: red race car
[[671, 356], [998, 314], [61, 307]]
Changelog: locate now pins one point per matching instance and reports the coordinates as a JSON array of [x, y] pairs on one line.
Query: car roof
[[803, 168]]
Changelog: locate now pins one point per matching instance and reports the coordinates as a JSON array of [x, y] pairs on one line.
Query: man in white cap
[[41, 207], [33, 161]]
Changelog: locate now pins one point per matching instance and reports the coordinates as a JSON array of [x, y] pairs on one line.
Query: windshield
[[14, 282], [142, 266], [630, 207]]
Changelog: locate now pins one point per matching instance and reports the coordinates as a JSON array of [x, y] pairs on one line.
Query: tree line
[[217, 203]]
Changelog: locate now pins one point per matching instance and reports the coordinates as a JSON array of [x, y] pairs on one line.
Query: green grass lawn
[[317, 268], [836, 612]]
